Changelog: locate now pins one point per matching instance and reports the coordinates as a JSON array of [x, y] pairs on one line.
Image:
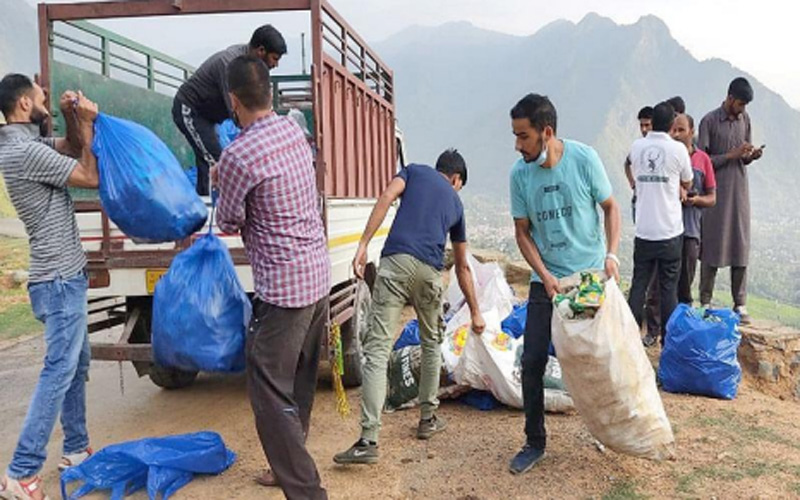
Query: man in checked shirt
[[268, 191]]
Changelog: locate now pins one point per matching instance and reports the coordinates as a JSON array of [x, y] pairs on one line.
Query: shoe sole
[[526, 469], [356, 461]]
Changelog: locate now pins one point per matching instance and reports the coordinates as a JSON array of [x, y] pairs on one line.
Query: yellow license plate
[[151, 277]]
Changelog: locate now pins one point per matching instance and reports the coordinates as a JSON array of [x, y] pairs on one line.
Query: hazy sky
[[758, 37]]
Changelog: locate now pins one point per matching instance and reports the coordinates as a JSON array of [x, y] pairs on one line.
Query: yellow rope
[[337, 369]]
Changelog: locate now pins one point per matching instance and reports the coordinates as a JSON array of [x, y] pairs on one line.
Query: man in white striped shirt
[[37, 172]]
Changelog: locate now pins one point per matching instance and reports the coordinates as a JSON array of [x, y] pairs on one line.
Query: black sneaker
[[363, 452], [429, 427], [524, 461]]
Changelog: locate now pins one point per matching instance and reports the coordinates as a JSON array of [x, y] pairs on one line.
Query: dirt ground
[[746, 448]]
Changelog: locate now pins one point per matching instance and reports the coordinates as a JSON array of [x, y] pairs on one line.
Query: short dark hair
[[12, 87], [663, 117], [538, 109], [690, 120], [677, 104], [740, 89], [451, 163], [270, 38], [646, 113], [248, 80]]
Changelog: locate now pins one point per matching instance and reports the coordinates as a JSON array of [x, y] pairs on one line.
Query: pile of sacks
[[490, 362]]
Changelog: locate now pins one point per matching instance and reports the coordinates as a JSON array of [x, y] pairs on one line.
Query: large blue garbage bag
[[699, 355], [200, 311], [162, 465], [143, 188], [227, 132]]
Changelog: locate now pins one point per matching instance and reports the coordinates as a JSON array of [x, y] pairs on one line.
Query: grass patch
[[623, 490], [17, 320], [6, 208], [796, 488], [761, 308], [718, 472], [13, 254]]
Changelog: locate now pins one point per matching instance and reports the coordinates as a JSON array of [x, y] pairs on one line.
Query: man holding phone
[[725, 134]]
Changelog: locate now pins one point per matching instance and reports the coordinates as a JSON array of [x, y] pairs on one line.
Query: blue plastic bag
[[200, 311], [162, 465], [410, 336], [143, 188], [700, 353], [227, 132], [514, 324]]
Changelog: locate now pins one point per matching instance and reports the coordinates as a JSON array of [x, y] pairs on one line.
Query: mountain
[[455, 85]]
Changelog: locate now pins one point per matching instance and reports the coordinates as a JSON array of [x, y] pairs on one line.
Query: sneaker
[[429, 427], [649, 340], [744, 318], [363, 452], [17, 489], [74, 459], [524, 461]]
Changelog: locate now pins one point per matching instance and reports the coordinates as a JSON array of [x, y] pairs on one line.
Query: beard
[[39, 117]]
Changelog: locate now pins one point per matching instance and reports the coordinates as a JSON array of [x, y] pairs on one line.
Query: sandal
[[74, 459], [267, 479], [17, 489]]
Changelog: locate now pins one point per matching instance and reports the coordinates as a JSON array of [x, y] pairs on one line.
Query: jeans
[[401, 279], [663, 257], [61, 305], [534, 361]]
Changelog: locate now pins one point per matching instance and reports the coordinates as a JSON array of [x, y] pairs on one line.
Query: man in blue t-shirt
[[411, 271], [555, 190]]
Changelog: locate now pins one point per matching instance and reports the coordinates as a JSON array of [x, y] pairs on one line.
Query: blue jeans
[[61, 305]]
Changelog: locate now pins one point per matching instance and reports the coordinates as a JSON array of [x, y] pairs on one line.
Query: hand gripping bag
[[200, 311], [700, 353], [610, 379], [143, 188]]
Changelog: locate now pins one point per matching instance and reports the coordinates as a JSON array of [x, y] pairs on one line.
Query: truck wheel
[[171, 378], [352, 334]]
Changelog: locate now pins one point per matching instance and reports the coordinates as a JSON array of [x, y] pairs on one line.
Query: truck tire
[[352, 335], [171, 378]]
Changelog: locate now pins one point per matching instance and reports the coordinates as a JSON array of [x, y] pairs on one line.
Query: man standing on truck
[[202, 101], [37, 171], [411, 271], [555, 189], [267, 186]]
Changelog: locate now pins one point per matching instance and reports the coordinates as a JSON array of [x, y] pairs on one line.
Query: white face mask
[[543, 155]]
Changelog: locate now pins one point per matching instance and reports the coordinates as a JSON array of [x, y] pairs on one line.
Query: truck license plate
[[151, 278]]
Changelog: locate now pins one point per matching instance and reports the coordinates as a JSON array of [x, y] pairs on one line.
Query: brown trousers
[[283, 351]]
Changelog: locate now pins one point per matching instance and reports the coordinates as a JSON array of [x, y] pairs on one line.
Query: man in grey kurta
[[725, 134]]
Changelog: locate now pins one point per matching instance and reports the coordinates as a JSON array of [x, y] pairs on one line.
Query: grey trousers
[[283, 350]]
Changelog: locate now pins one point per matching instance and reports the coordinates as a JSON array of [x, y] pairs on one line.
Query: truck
[[347, 99]]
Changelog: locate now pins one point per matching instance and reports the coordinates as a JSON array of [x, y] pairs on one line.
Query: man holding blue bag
[[37, 171], [268, 191]]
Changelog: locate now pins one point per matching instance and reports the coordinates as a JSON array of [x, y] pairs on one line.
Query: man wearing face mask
[[202, 101], [555, 189], [37, 171]]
